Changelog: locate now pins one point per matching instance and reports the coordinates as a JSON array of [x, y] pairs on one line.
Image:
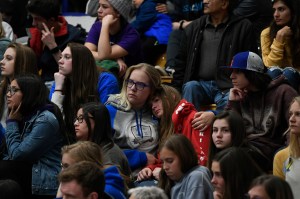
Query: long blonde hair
[[155, 82], [294, 145]]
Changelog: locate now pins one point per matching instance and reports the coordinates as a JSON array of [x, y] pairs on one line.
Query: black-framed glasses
[[12, 90], [80, 119], [138, 85]]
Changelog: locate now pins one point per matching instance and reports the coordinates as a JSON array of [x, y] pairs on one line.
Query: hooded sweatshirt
[[114, 183], [182, 118], [266, 114], [133, 129]]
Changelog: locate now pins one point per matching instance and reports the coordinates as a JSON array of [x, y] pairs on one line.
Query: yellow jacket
[[275, 53], [279, 162]]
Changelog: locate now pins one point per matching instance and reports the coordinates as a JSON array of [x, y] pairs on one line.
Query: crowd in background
[[87, 113]]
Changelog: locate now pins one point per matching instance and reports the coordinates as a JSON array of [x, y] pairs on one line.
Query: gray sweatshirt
[[194, 184]]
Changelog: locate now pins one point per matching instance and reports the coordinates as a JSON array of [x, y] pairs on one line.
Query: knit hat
[[122, 6], [247, 61]]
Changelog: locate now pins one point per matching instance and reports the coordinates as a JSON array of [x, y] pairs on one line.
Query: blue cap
[[248, 61]]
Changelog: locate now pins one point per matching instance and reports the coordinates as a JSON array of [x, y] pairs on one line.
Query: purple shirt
[[128, 38]]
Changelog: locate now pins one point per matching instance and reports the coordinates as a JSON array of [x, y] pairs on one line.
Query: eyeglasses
[[80, 119], [138, 85], [12, 90]]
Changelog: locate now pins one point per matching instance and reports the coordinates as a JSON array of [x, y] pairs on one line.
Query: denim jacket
[[39, 142]]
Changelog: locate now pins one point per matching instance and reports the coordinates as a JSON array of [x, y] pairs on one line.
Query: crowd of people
[[88, 116]]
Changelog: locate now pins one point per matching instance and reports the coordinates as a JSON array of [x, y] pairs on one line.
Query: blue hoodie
[[151, 23], [114, 183]]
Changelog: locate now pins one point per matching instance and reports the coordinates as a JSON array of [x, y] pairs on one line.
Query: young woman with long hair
[[17, 59], [280, 42], [34, 132], [78, 81], [131, 117], [227, 130], [175, 117], [233, 171], [181, 176], [92, 123], [286, 162]]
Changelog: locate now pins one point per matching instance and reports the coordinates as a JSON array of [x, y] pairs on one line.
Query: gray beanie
[[122, 6]]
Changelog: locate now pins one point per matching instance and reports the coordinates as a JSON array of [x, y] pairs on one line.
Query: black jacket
[[237, 37]]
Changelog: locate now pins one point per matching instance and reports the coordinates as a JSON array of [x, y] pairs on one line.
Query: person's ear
[[225, 4], [94, 195]]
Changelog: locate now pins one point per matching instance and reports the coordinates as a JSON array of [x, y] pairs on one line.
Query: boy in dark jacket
[[49, 35]]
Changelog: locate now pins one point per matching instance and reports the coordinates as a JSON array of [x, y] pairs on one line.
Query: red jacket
[[182, 118]]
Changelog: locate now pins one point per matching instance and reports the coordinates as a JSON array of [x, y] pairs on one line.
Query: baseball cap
[[247, 61]]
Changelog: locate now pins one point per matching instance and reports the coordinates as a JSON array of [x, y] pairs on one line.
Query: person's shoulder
[[47, 114], [5, 41], [201, 20], [107, 76], [115, 103], [198, 171], [282, 155], [129, 29], [45, 117], [265, 31], [233, 19], [198, 175], [281, 85], [95, 26], [111, 169], [196, 25], [148, 4]]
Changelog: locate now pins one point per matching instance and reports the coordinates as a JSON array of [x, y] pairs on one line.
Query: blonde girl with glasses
[[131, 116]]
